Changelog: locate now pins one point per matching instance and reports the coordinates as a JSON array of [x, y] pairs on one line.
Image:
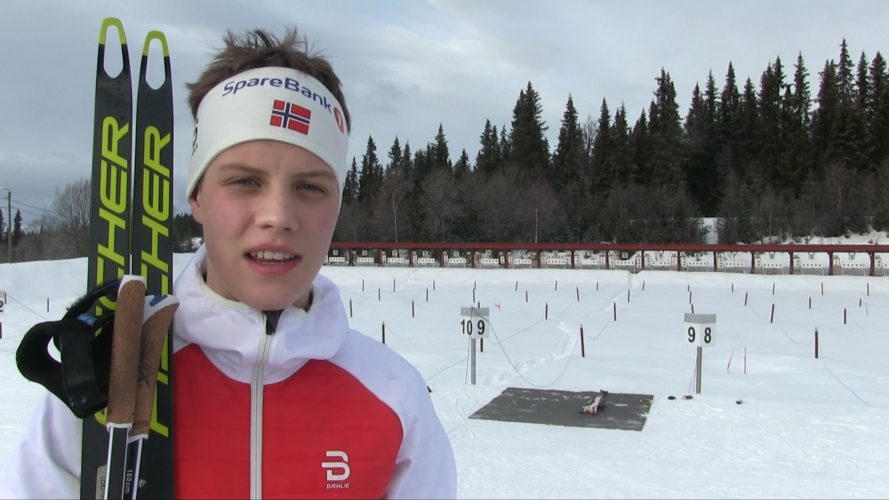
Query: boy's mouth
[[270, 257]]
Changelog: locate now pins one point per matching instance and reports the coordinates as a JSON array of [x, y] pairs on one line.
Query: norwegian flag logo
[[290, 116]]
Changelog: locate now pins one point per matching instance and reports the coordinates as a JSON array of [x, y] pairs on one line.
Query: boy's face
[[268, 210]]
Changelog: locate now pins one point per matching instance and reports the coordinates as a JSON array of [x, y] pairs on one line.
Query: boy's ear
[[196, 212]]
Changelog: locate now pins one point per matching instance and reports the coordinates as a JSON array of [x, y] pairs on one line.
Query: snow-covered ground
[[804, 427]]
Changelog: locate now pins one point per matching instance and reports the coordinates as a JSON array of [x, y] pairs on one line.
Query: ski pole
[[122, 381], [159, 310]]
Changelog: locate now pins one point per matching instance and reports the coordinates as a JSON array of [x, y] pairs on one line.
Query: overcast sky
[[407, 66]]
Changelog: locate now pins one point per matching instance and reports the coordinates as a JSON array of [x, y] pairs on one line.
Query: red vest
[[324, 434]]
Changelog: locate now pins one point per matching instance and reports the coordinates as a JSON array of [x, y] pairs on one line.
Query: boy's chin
[[263, 302]]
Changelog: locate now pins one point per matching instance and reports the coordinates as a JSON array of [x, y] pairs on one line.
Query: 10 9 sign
[[474, 321]]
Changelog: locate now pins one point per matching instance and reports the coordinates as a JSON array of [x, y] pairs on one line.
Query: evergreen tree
[[796, 163], [488, 160], [878, 111], [620, 153], [728, 125], [568, 157], [350, 186], [467, 221], [17, 228], [845, 77], [639, 147], [858, 149], [395, 160], [417, 200], [505, 144], [770, 133], [862, 82], [568, 179], [371, 176], [439, 155], [667, 146], [529, 152], [700, 125], [748, 137], [461, 168], [393, 191], [801, 103], [602, 144], [824, 118], [407, 161]]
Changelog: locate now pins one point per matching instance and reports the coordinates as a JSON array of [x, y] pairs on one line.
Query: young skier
[[273, 395]]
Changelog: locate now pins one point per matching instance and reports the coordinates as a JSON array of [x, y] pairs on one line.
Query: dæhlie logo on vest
[[338, 471]]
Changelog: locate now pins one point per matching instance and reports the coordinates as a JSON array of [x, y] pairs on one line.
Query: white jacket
[[233, 338]]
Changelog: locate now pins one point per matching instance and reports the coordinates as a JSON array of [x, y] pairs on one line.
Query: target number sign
[[700, 329], [474, 322], [2, 300]]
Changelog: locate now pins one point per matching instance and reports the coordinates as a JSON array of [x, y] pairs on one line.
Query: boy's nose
[[277, 211]]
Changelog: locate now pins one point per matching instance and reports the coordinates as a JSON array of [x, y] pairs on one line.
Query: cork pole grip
[[125, 350], [154, 334]]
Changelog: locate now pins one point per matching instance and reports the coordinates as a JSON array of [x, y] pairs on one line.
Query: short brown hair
[[257, 49]]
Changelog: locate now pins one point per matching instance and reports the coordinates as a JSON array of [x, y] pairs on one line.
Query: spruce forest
[[788, 157]]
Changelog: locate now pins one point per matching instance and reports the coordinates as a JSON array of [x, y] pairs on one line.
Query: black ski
[[109, 239], [152, 258], [132, 235]]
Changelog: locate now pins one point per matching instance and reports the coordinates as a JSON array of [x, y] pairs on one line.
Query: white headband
[[276, 103]]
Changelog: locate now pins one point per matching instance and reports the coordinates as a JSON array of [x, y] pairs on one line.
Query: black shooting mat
[[551, 407]]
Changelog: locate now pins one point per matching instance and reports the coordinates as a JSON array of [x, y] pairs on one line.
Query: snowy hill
[[804, 427]]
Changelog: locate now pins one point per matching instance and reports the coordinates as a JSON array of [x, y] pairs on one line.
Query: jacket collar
[[232, 333]]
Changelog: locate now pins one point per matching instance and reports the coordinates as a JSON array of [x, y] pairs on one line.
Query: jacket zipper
[[256, 395]]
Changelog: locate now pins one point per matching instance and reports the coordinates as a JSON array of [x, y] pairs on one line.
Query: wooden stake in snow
[[582, 348], [816, 343]]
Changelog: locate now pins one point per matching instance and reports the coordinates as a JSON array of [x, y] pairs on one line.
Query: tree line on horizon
[[771, 161]]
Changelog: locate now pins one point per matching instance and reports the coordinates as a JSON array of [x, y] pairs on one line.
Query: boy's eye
[[313, 188], [245, 181]]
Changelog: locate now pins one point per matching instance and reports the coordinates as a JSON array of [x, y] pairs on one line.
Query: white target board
[[474, 322], [700, 329]]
